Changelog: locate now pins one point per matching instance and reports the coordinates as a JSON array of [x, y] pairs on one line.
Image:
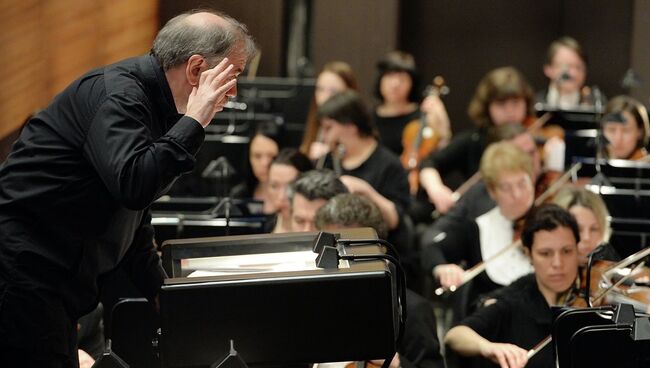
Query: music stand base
[[231, 360]]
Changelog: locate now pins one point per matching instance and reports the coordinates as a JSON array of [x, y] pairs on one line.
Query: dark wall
[[359, 32], [463, 39], [265, 21]]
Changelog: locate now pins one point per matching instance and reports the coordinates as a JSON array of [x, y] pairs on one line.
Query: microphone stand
[[221, 171], [599, 179]]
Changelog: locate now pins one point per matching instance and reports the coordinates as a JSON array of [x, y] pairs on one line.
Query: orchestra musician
[[502, 97], [566, 69], [335, 77], [285, 168], [476, 201], [592, 217], [263, 148], [625, 128], [508, 173], [398, 89], [75, 191], [367, 167], [521, 315], [309, 193], [420, 347]]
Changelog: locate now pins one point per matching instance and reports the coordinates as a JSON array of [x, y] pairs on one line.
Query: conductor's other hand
[[212, 92]]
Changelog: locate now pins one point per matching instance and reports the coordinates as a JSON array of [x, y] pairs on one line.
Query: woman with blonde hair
[[592, 216]]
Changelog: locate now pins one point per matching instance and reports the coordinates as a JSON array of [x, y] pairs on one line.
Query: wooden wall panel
[[47, 44]]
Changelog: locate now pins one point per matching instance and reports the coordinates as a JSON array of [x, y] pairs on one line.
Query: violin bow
[[536, 349], [463, 188], [478, 268]]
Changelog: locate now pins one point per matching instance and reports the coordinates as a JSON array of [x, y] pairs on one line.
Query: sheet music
[[253, 263]]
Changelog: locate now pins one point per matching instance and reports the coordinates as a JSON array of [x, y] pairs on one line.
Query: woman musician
[[502, 332], [503, 96], [335, 77], [508, 173], [625, 128]]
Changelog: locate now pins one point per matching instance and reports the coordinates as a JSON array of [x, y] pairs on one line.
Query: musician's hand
[[443, 198], [506, 355], [356, 185], [85, 360], [554, 151], [437, 117], [395, 363], [318, 150], [211, 94], [448, 275]]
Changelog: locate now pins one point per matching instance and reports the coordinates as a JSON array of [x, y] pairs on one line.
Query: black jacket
[[75, 190]]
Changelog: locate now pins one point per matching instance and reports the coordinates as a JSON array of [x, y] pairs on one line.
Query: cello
[[419, 137]]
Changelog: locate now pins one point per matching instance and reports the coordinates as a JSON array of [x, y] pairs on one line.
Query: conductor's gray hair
[[179, 39]]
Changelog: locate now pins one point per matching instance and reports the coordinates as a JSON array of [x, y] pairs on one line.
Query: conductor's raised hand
[[211, 93]]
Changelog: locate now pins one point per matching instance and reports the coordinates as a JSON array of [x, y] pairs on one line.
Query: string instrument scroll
[[419, 138]]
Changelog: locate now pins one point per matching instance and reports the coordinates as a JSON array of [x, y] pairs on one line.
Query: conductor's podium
[[266, 295]]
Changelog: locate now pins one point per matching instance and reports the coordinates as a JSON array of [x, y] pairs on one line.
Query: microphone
[[564, 75]]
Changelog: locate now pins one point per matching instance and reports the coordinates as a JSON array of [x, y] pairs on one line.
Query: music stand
[[567, 323], [135, 345], [275, 316], [602, 337]]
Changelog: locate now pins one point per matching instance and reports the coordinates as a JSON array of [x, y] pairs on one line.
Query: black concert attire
[[420, 347], [463, 154], [90, 337], [461, 240], [74, 198], [475, 202], [384, 172], [391, 128], [520, 316]]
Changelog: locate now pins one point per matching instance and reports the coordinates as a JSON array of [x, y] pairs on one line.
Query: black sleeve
[[142, 263], [396, 188], [90, 333], [134, 167], [420, 347], [490, 321], [452, 157], [448, 241]]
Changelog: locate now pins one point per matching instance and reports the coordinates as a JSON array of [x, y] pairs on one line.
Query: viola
[[604, 287], [419, 138]]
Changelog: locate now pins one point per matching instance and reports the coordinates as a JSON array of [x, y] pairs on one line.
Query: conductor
[[76, 188]]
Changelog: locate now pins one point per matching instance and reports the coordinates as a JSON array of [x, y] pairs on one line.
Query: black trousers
[[35, 328]]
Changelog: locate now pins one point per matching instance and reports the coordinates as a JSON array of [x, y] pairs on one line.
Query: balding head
[[210, 34]]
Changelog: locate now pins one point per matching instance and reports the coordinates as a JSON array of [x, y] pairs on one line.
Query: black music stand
[[134, 332], [602, 337], [275, 316]]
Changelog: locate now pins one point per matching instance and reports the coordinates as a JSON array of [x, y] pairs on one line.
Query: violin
[[477, 269], [419, 138], [600, 288], [617, 282]]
